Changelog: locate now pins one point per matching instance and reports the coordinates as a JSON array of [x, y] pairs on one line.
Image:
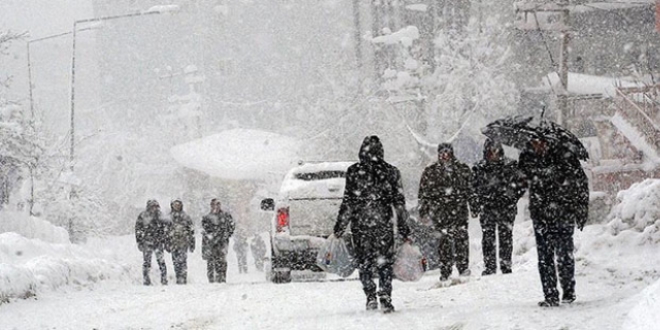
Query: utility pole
[[358, 43], [562, 98], [550, 17]]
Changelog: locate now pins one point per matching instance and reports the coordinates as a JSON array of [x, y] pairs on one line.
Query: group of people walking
[[449, 191], [156, 233]]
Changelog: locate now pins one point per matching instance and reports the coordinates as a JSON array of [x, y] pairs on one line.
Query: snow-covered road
[[98, 286], [609, 283], [497, 302]]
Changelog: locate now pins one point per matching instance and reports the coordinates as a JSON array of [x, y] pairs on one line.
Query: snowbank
[[32, 227], [637, 208], [645, 314], [29, 266]]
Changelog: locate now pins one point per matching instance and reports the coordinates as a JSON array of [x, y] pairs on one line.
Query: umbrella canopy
[[511, 131], [518, 131]]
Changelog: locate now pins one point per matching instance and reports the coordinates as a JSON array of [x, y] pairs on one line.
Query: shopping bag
[[410, 264], [335, 257]]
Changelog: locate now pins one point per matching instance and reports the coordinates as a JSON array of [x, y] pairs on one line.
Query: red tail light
[[282, 219]]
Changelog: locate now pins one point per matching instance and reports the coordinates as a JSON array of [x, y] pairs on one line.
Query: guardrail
[[640, 118]]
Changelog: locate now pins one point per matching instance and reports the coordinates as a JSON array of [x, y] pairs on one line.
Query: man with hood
[[558, 201], [497, 186], [444, 192], [181, 240], [150, 231], [217, 228], [373, 190]]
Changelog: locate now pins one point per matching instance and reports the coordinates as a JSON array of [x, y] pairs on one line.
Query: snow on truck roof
[[321, 166]]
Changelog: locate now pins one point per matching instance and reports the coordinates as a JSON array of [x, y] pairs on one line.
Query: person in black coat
[[558, 201], [497, 186], [217, 227], [445, 190], [150, 235], [373, 190], [181, 239]]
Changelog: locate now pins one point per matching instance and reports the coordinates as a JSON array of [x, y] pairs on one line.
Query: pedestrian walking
[[150, 235], [444, 192], [181, 240], [218, 226], [558, 202], [373, 190], [498, 185]]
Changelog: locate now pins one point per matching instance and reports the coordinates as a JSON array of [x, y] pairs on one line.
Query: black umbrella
[[511, 131], [517, 132], [563, 138]]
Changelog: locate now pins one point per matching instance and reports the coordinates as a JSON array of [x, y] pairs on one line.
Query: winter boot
[[163, 280], [386, 304], [487, 272], [372, 303], [568, 298], [465, 272], [147, 281], [549, 303]]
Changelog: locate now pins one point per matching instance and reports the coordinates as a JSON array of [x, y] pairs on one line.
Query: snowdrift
[[638, 209], [29, 266], [32, 227]]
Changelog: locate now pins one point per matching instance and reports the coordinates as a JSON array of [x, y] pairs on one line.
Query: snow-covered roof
[[584, 84], [239, 154]]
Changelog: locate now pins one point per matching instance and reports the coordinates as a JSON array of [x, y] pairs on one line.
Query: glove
[[580, 225]]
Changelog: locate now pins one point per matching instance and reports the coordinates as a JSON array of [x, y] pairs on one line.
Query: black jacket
[[217, 228], [444, 192], [151, 231], [497, 184], [181, 232], [373, 190], [558, 186]]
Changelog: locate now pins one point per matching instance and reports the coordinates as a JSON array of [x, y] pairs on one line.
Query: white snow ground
[[618, 266]]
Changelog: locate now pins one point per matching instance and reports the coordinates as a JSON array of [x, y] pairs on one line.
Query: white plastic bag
[[335, 257], [410, 264]]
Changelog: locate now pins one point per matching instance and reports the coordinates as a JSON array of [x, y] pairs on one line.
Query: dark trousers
[[554, 239], [453, 248], [180, 261], [216, 265], [497, 222], [384, 271], [146, 265]]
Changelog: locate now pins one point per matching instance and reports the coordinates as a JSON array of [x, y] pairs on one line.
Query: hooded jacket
[[444, 191], [150, 228], [373, 190], [181, 232]]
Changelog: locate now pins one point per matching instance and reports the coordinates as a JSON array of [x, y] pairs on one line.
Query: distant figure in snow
[[240, 247], [181, 239], [444, 193], [498, 185], [373, 191], [150, 235], [218, 226], [558, 201], [258, 248]]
